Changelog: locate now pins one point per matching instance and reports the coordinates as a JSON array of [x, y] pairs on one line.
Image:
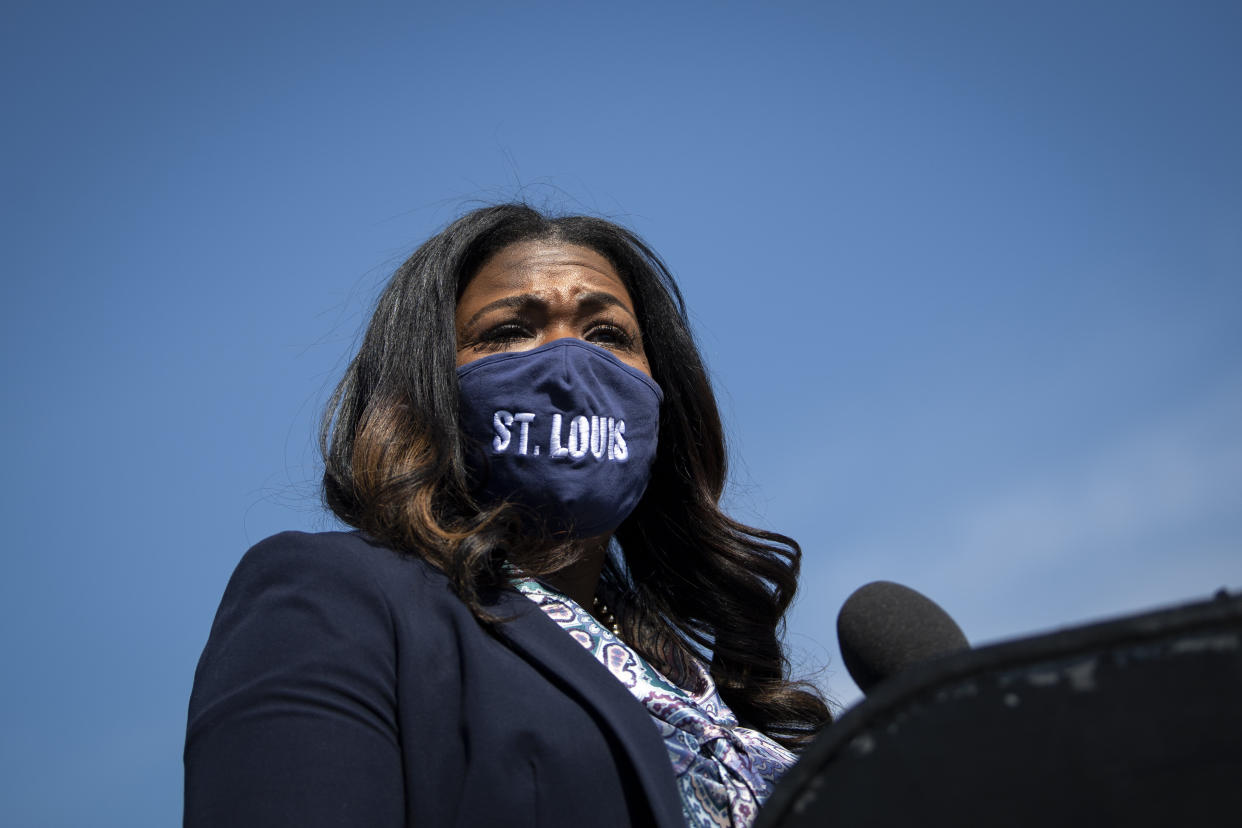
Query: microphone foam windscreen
[[885, 627]]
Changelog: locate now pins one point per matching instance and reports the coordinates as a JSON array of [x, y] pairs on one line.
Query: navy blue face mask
[[566, 428]]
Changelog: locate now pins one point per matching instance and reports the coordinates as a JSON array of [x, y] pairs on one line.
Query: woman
[[544, 618]]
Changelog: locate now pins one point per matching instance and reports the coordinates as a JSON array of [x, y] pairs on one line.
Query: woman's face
[[534, 292]]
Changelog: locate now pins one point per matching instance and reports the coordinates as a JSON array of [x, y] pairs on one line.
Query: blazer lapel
[[541, 640]]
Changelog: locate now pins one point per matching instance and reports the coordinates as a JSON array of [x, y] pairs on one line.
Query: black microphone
[[885, 627]]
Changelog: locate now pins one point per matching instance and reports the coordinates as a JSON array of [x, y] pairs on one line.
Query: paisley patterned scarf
[[724, 772]]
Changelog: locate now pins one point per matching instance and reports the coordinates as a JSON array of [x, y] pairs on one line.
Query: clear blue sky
[[968, 277]]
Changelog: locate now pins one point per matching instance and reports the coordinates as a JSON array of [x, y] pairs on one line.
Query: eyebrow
[[590, 300]]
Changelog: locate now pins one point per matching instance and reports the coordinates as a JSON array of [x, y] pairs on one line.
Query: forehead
[[541, 267]]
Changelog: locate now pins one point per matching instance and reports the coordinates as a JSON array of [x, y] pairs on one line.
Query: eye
[[610, 335], [502, 334]]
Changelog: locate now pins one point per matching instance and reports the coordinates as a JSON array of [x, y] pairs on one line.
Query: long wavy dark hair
[[686, 579]]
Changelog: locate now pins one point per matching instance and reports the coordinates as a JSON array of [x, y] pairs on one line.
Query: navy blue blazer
[[344, 684]]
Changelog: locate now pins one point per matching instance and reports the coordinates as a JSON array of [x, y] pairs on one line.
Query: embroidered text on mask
[[602, 437], [567, 429]]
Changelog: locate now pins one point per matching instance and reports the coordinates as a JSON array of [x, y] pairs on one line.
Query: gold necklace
[[601, 611]]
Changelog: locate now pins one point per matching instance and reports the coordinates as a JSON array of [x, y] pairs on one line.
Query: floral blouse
[[724, 772]]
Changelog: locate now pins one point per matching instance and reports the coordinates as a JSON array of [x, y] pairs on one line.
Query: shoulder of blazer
[[349, 562], [339, 562]]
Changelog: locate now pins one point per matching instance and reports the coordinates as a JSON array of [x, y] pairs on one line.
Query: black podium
[[1136, 721]]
